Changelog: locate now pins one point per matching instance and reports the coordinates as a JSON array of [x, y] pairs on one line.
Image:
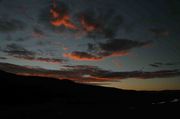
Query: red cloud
[[82, 56], [87, 26], [116, 54], [61, 18]]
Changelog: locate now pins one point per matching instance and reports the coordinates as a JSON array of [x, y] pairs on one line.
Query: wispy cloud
[[38, 33], [18, 51], [3, 58], [49, 60], [11, 25], [160, 32], [111, 48], [91, 21], [86, 73], [162, 64]]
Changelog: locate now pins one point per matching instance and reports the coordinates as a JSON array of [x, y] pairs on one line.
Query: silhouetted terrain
[[46, 98]]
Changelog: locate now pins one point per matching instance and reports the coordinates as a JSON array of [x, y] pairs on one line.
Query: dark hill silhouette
[[48, 98]]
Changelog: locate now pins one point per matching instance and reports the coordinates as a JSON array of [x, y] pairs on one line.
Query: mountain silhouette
[[47, 98]]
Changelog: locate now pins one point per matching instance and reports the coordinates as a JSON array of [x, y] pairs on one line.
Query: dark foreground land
[[45, 98]]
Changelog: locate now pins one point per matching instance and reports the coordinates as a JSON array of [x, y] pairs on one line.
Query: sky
[[131, 44]]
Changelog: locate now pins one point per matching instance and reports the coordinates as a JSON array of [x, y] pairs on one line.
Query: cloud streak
[[160, 32], [38, 33], [161, 64], [100, 23], [18, 51], [49, 60], [11, 25], [86, 73], [111, 48], [3, 58]]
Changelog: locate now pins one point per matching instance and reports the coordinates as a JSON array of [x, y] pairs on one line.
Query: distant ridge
[[25, 94]]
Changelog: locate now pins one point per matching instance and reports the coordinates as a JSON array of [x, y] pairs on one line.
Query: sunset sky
[[126, 44]]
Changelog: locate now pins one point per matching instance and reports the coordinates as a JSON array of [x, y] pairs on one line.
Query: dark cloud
[[3, 58], [42, 59], [85, 73], [93, 73], [83, 69], [141, 74], [113, 47], [37, 30], [92, 47], [18, 51], [49, 60], [20, 69], [100, 24], [173, 9], [44, 17], [38, 33], [154, 65], [161, 64], [170, 64], [118, 45], [160, 32], [20, 39], [11, 25]]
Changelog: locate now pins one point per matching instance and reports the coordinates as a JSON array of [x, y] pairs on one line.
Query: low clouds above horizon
[[162, 64], [86, 73]]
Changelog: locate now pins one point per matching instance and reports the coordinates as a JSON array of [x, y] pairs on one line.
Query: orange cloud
[[89, 27], [116, 54], [82, 56], [85, 56], [54, 13], [64, 21], [61, 18]]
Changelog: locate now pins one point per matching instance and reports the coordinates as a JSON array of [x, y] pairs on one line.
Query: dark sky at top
[[111, 43]]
